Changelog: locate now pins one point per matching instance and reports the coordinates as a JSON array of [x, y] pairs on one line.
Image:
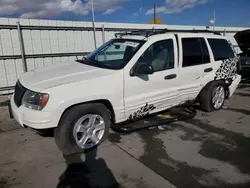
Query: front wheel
[[82, 128], [213, 96]]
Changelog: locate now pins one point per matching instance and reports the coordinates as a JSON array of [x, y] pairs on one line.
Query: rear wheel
[[213, 96], [218, 97], [82, 128]]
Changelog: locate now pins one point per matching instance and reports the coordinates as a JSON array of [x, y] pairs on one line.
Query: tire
[[207, 93], [65, 135]]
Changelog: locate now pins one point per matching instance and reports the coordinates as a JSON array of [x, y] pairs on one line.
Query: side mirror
[[142, 69]]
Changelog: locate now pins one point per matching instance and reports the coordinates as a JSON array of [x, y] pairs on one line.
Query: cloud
[[109, 11], [50, 8], [142, 9], [176, 6]]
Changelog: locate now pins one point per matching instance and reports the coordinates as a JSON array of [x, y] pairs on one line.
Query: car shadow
[[46, 132], [88, 173]]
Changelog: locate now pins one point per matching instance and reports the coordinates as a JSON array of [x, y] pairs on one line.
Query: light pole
[[93, 21], [214, 21], [154, 14]]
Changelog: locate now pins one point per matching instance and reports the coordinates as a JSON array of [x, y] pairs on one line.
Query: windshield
[[115, 54]]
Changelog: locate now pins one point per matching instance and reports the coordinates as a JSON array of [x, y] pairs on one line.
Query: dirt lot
[[211, 150]]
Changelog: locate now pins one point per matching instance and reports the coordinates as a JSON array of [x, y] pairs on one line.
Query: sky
[[173, 12]]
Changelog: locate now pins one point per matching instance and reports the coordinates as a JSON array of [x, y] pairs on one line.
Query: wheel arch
[[105, 102], [227, 83], [205, 97]]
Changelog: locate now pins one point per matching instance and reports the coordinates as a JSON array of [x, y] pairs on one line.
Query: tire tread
[[205, 96]]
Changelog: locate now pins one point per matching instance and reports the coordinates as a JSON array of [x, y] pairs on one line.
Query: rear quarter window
[[221, 49]]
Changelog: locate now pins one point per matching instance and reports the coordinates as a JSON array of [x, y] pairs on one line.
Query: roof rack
[[144, 32], [150, 32]]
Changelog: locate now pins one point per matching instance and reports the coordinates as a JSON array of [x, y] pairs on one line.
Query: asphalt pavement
[[210, 150]]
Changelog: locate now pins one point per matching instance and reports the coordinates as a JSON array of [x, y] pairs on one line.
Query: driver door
[[149, 93]]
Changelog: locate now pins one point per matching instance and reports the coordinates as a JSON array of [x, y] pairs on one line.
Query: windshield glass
[[115, 54]]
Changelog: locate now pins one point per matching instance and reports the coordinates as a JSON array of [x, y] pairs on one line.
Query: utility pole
[[154, 14], [93, 21], [214, 21]]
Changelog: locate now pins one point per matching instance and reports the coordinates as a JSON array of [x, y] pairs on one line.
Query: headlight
[[33, 100]]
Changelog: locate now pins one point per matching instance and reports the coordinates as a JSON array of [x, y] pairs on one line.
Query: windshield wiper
[[84, 60]]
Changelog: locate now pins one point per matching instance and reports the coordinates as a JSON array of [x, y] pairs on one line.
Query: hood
[[37, 80], [243, 40]]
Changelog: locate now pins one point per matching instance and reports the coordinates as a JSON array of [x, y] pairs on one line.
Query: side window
[[160, 55], [221, 49], [195, 52]]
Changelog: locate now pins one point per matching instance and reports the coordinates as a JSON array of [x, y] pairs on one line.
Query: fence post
[[103, 41], [103, 34], [20, 37]]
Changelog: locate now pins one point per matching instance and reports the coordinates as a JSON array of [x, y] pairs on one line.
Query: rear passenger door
[[195, 67]]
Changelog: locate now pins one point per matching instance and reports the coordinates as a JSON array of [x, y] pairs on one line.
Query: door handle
[[169, 77], [208, 69]]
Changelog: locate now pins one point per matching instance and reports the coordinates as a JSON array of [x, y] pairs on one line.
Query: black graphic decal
[[227, 69], [143, 111]]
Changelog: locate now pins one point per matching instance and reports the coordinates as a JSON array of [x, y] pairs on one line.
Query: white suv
[[127, 78]]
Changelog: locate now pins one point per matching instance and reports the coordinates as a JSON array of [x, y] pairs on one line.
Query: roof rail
[[150, 32], [193, 31], [144, 32]]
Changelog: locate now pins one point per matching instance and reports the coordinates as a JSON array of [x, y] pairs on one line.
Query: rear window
[[221, 49]]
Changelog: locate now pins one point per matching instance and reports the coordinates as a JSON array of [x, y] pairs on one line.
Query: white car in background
[[127, 78]]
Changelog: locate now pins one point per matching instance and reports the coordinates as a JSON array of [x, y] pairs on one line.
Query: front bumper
[[33, 118], [234, 85]]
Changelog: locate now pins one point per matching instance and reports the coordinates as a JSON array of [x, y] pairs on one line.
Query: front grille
[[19, 92]]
